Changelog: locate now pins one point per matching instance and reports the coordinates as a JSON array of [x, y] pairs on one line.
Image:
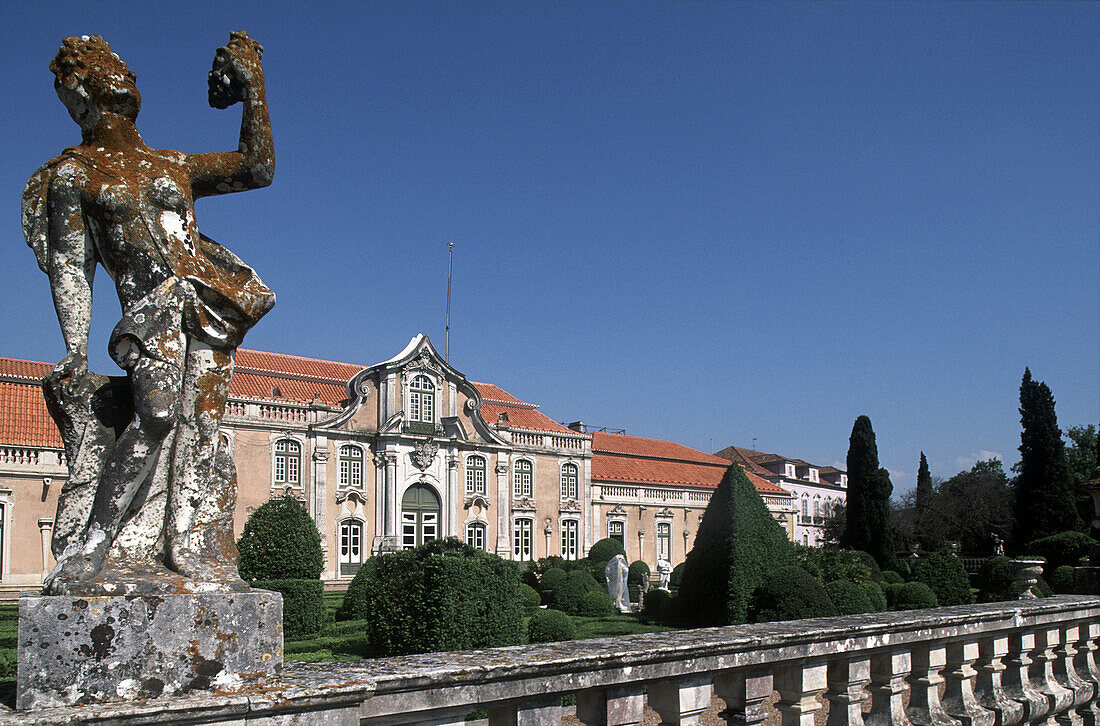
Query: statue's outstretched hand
[[68, 373], [236, 69]]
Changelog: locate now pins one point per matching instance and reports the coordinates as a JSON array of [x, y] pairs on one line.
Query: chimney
[[577, 426]]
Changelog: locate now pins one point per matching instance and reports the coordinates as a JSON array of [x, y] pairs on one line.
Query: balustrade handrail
[[677, 672]]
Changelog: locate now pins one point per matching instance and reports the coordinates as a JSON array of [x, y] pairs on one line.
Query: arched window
[[419, 516], [475, 475], [288, 462], [569, 481], [523, 540], [351, 547], [422, 399], [475, 535], [569, 539], [817, 506], [805, 505], [351, 466], [521, 478]]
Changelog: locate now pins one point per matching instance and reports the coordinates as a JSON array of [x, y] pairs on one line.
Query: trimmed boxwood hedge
[[995, 582], [568, 595], [549, 582], [528, 597], [827, 564], [550, 626], [639, 573], [790, 593], [875, 595], [605, 549], [442, 595], [280, 542], [1064, 548], [304, 612], [945, 576], [595, 604], [891, 577], [911, 596], [738, 544], [654, 599], [848, 597]]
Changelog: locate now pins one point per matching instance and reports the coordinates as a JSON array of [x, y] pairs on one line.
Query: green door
[[419, 516]]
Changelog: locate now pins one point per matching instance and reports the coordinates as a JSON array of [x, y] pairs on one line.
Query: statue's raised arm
[[237, 77]]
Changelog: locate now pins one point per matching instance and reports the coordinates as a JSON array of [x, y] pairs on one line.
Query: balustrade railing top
[[1004, 663]]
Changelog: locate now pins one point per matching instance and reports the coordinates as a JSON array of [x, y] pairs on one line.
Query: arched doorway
[[419, 516]]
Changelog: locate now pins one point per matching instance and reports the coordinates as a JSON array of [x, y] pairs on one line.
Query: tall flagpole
[[447, 337]]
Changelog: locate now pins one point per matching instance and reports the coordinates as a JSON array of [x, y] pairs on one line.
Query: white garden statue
[[616, 573], [664, 573]]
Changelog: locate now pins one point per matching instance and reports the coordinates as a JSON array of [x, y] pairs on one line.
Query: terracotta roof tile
[[618, 457], [744, 457], [314, 368], [24, 420], [521, 415]]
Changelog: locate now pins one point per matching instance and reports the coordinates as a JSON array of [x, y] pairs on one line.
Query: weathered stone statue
[[664, 574], [149, 503], [616, 573]]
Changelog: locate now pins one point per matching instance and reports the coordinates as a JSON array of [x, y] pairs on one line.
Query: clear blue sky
[[706, 222]]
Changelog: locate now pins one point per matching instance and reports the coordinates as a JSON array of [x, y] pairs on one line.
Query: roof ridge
[[721, 462], [513, 404], [301, 357]]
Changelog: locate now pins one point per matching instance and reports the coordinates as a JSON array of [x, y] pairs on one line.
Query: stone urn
[[1026, 573]]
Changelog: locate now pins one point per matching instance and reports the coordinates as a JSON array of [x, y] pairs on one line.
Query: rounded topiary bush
[[676, 576], [912, 596], [549, 582], [789, 593], [903, 568], [281, 551], [550, 626], [892, 578], [672, 611], [1064, 548], [872, 566], [443, 595], [528, 597], [995, 581], [605, 549], [1062, 580], [943, 573], [639, 573], [654, 599], [280, 542], [568, 595], [848, 597], [595, 604], [876, 596], [826, 564]]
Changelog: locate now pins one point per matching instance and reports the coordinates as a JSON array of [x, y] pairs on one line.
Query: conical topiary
[[737, 545]]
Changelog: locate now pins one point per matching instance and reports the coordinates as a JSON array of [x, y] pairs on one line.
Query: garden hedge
[[848, 597], [890, 577], [945, 576], [529, 597], [1062, 580], [568, 595], [595, 604], [654, 599], [875, 595], [304, 612], [605, 549], [827, 564], [911, 596], [1064, 548], [443, 595], [790, 593], [550, 626], [549, 582], [738, 543], [995, 582], [639, 573], [280, 542]]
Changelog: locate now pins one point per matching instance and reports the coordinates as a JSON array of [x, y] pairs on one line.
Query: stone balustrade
[[998, 664]]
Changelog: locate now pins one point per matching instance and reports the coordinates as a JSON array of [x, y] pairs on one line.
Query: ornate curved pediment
[[524, 503], [570, 505]]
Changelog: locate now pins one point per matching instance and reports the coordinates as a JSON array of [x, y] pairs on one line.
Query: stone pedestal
[[77, 650]]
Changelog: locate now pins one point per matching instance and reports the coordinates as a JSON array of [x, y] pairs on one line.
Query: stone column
[[888, 671], [615, 706], [320, 488], [799, 687], [680, 702], [389, 526], [924, 684], [846, 679], [958, 698], [990, 691], [1047, 638], [535, 711], [1067, 676], [1017, 677], [746, 694], [504, 529], [452, 495], [45, 530], [1085, 663]]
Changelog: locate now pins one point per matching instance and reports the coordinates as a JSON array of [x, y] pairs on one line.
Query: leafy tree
[[1045, 502], [280, 541], [1082, 457], [869, 489], [923, 499], [738, 544]]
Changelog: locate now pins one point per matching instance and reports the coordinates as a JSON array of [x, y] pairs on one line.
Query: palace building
[[391, 455]]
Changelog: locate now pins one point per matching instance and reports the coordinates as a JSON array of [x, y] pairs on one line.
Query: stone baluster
[[1058, 699], [1065, 672], [959, 700], [847, 678], [680, 702], [615, 706], [888, 687], [799, 686], [1017, 677], [924, 687], [989, 689], [746, 694], [1085, 663], [538, 711]]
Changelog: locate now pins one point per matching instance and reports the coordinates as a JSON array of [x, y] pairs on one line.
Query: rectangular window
[[664, 541], [287, 462], [569, 481], [408, 530], [569, 539], [521, 479], [475, 535], [616, 530], [522, 540], [475, 475], [351, 548]]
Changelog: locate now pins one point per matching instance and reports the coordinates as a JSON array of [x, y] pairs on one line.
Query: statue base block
[[77, 650]]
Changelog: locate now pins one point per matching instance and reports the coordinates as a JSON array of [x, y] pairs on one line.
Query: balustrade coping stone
[[393, 690]]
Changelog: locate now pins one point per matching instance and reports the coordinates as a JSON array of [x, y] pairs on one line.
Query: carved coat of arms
[[424, 453]]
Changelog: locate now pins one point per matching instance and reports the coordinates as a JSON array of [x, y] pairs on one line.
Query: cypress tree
[[869, 489], [1044, 494], [923, 501], [738, 544]]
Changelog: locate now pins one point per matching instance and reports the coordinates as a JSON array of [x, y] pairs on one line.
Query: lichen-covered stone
[[79, 650]]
